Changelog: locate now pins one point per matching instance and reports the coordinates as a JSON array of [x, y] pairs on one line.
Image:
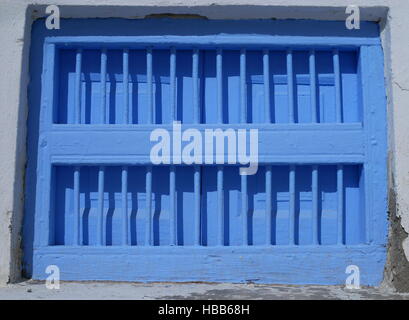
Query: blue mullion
[[150, 85], [292, 205], [219, 76], [340, 205], [290, 86], [338, 92], [220, 205], [77, 100], [313, 86], [315, 213], [148, 207], [77, 210], [103, 86], [197, 206], [124, 203], [266, 77], [100, 211], [126, 85], [269, 200], [195, 91]]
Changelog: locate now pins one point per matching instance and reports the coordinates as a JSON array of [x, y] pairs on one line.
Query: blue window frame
[[316, 205]]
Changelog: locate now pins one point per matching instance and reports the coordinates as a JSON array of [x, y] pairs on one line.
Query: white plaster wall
[[15, 20]]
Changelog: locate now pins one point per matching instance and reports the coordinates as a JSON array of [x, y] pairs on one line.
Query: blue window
[[316, 204]]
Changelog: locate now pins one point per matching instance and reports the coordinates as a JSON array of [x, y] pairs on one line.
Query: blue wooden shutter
[[316, 204]]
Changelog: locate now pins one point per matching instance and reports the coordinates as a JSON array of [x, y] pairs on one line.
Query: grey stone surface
[[29, 290]]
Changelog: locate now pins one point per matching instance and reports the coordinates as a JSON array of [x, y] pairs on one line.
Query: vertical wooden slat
[[373, 180], [219, 76], [220, 204], [313, 87], [51, 70], [124, 201], [172, 177], [100, 231], [195, 79], [103, 85], [77, 105], [126, 85], [243, 89], [150, 85], [173, 111], [47, 236], [266, 75], [338, 94], [77, 212], [149, 218], [243, 119], [292, 205], [197, 172], [340, 210], [290, 85], [269, 199], [315, 217], [244, 209], [172, 207], [197, 181]]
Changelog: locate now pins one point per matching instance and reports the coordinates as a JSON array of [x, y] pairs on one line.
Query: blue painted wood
[[78, 86], [101, 213], [216, 264], [237, 80], [244, 209], [219, 76], [243, 87], [197, 182], [314, 209], [149, 85], [148, 206], [266, 80], [290, 86], [103, 89], [229, 41], [195, 79], [77, 212], [220, 205], [172, 98], [257, 196], [126, 84], [313, 86], [279, 144], [269, 211], [172, 212], [291, 207], [375, 175], [141, 73], [340, 202], [338, 94], [124, 204]]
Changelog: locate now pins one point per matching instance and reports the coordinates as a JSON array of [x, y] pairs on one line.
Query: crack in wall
[[400, 87]]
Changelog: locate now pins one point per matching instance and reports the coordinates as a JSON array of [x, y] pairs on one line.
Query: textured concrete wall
[[13, 109], [16, 17]]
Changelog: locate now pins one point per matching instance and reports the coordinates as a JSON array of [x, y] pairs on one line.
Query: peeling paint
[[397, 266]]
